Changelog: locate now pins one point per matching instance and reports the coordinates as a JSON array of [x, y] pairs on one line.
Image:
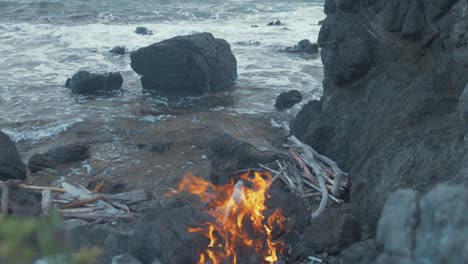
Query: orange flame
[[238, 218]]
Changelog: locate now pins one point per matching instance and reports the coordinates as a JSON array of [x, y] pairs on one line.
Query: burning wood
[[239, 225]]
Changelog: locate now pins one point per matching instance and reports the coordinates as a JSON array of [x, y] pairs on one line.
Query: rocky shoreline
[[393, 115]]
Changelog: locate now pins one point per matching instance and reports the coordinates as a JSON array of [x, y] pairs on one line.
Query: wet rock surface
[[391, 113], [287, 100], [59, 155], [119, 50], [304, 46], [143, 31], [11, 165], [87, 83], [186, 65]]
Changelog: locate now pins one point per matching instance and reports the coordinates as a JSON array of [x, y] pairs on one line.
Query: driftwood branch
[[308, 174]]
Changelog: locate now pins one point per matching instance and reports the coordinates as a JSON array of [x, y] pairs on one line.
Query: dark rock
[[24, 203], [321, 22], [414, 23], [124, 259], [111, 240], [360, 253], [159, 147], [390, 114], [275, 23], [143, 31], [304, 46], [11, 165], [435, 8], [69, 153], [288, 99], [59, 155], [37, 162], [163, 235], [119, 50], [330, 7], [334, 230], [84, 82], [229, 155], [186, 65], [254, 26]]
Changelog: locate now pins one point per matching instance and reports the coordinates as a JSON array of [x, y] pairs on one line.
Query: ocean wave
[[37, 133]]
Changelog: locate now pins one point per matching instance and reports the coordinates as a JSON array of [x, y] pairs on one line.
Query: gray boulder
[[84, 82], [432, 228], [11, 165], [186, 65], [56, 156]]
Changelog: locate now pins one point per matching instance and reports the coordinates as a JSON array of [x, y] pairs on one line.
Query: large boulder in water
[[186, 65], [11, 165], [84, 82]]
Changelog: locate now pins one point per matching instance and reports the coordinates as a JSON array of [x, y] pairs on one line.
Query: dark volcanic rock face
[[393, 112], [84, 82], [186, 65], [11, 165]]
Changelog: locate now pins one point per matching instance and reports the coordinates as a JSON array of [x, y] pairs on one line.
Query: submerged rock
[[119, 50], [186, 65], [84, 82], [60, 155], [143, 31], [304, 46], [11, 165], [275, 23], [288, 99]]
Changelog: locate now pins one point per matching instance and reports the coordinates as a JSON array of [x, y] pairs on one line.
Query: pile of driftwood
[[308, 174], [78, 202]]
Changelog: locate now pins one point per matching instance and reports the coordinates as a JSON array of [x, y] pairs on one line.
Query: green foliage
[[24, 239]]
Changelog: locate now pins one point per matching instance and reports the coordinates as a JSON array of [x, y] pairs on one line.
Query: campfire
[[239, 224]]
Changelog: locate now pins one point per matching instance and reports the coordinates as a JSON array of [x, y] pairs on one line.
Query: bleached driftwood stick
[[46, 202], [82, 202], [308, 174]]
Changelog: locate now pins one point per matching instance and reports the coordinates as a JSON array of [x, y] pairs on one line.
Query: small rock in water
[[304, 46], [119, 50], [275, 23], [286, 100], [84, 82], [143, 31], [254, 26]]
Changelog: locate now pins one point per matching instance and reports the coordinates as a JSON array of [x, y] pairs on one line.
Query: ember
[[239, 226]]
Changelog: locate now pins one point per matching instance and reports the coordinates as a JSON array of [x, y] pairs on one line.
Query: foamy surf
[[38, 133]]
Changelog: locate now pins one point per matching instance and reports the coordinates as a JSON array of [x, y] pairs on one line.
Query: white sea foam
[[40, 132]]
